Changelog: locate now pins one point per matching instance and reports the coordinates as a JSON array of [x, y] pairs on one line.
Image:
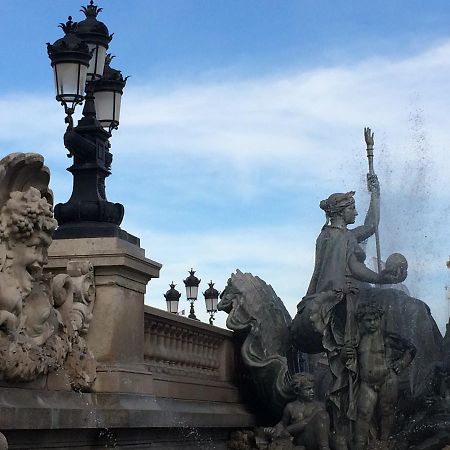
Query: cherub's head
[[369, 315], [303, 385]]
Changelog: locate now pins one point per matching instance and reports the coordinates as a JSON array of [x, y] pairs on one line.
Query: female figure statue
[[325, 319], [339, 265]]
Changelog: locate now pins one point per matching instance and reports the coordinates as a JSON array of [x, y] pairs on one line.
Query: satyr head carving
[[38, 332], [26, 227]]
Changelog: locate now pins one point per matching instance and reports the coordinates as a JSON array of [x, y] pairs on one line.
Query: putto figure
[[380, 358], [305, 419]]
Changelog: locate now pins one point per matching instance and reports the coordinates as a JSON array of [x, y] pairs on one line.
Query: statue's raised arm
[[372, 220]]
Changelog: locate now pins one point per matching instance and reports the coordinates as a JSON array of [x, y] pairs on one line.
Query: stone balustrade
[[176, 345]]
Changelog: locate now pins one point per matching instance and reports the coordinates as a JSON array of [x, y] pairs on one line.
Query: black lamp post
[[211, 299], [172, 297], [78, 61], [191, 283]]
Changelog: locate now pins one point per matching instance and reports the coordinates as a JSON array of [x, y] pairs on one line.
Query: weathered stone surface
[[42, 318], [33, 419], [122, 272]]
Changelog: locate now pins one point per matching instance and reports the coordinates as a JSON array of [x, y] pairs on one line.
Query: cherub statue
[[305, 419], [380, 358]]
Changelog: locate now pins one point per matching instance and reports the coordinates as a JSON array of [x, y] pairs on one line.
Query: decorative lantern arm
[[68, 119], [79, 146]]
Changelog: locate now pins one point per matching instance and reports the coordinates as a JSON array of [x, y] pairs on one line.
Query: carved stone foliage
[[43, 319]]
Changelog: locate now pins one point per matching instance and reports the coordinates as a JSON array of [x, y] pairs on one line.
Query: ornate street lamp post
[[172, 297], [191, 283], [211, 299], [80, 63]]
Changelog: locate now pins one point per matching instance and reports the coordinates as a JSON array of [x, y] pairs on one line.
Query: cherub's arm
[[299, 426], [286, 417], [405, 347], [280, 429]]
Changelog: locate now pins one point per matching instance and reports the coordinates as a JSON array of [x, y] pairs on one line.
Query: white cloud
[[279, 255], [304, 118], [297, 130]]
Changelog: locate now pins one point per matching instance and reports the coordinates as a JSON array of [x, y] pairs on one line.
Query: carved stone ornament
[[43, 319]]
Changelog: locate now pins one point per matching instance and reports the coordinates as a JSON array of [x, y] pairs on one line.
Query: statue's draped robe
[[328, 309]]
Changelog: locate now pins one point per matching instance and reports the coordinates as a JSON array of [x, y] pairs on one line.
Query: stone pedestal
[[116, 333], [163, 381]]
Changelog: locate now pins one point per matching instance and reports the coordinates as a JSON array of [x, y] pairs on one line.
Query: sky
[[241, 115]]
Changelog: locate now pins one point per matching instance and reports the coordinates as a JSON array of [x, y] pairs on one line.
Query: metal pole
[[369, 150]]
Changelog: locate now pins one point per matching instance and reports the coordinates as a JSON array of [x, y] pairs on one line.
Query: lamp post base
[[93, 230]]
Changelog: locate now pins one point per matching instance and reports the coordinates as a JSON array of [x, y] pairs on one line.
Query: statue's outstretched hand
[[368, 136], [388, 277]]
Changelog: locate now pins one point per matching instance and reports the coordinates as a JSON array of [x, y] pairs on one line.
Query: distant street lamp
[[82, 73], [172, 297], [211, 299], [191, 283]]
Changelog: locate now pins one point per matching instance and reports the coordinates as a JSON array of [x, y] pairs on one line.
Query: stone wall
[[188, 359], [190, 400]]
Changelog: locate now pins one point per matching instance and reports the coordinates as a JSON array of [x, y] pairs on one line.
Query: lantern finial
[[91, 10], [69, 26]]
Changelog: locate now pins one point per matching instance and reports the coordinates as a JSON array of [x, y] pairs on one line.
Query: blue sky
[[240, 116]]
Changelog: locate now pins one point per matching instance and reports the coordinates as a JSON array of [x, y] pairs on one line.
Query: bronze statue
[[326, 323], [305, 419], [380, 358], [340, 281]]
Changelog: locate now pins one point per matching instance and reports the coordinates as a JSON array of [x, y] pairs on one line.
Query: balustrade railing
[[176, 345]]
